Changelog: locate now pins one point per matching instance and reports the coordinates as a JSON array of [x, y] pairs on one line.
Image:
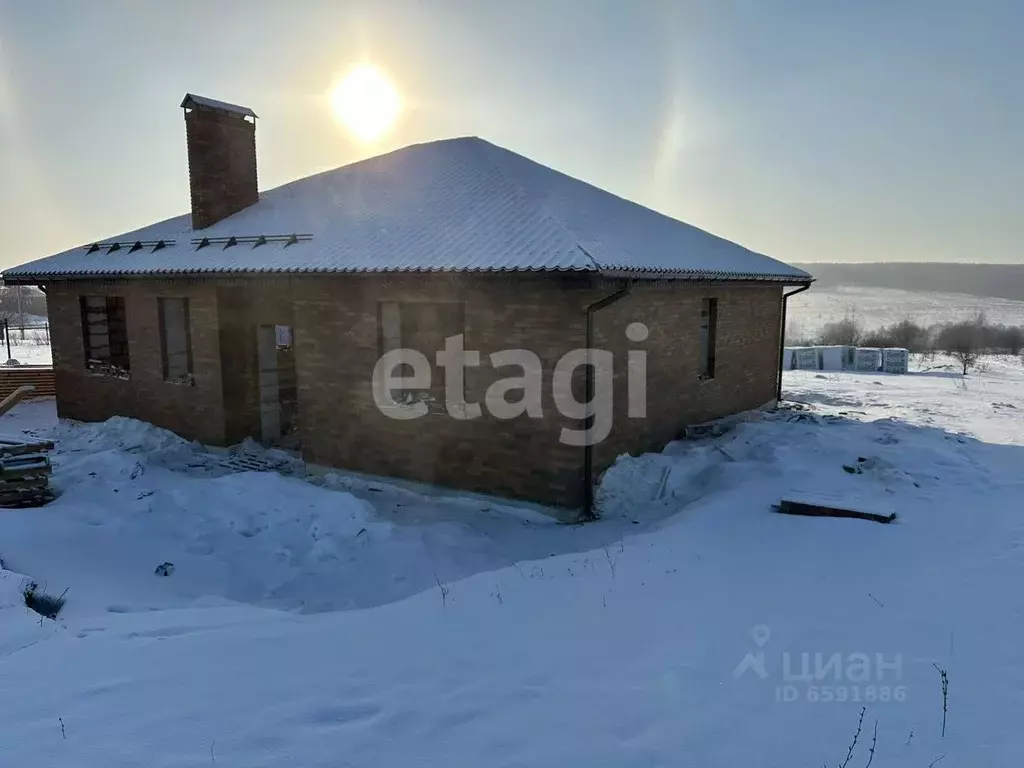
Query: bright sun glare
[[366, 103]]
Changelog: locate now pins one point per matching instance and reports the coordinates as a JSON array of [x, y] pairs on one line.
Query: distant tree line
[[966, 340], [1002, 280]]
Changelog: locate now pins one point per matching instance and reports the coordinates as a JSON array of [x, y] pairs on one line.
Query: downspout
[[588, 449], [782, 337]]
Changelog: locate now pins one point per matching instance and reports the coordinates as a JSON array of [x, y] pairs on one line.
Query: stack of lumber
[[25, 473]]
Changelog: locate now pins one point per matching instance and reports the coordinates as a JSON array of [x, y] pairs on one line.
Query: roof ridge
[[542, 210]]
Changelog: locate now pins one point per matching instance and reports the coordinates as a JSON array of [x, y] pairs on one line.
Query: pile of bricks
[[25, 473]]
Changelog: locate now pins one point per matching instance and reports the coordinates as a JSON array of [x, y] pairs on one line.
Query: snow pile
[[657, 479], [124, 435]]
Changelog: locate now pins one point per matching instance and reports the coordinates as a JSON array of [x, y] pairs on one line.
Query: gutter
[[588, 449], [710, 276], [782, 337]]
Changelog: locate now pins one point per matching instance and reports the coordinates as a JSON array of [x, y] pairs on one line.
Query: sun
[[366, 102]]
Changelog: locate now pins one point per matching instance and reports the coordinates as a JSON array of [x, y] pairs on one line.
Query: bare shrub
[[963, 341], [909, 335], [46, 605], [845, 332], [905, 334], [856, 738], [876, 338]]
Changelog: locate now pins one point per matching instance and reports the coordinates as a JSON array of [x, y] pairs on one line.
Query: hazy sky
[[811, 130]]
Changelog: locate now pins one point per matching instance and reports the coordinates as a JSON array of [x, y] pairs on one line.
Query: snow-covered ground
[[875, 307], [32, 348], [350, 622]]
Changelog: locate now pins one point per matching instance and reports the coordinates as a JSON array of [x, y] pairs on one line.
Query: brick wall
[[746, 359], [337, 343], [192, 411], [337, 347]]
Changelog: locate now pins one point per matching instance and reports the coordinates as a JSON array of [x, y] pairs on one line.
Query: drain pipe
[[588, 449], [782, 337]]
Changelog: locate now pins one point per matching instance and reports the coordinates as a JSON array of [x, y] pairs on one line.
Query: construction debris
[[25, 473]]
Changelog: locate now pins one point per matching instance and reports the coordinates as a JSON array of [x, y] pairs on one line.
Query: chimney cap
[[191, 100]]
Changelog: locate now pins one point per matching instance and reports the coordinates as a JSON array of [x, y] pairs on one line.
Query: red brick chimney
[[221, 158]]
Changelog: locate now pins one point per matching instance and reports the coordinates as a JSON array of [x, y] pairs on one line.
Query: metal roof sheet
[[456, 205]]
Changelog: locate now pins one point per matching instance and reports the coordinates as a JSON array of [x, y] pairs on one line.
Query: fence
[[18, 334]]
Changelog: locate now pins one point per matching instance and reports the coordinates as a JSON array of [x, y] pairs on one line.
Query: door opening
[[277, 384]]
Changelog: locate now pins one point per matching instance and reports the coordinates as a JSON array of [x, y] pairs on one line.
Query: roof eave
[[645, 275], [707, 276]]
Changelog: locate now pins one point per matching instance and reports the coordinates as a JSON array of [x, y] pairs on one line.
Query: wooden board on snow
[[817, 506]]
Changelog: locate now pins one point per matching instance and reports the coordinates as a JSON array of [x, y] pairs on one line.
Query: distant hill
[[1004, 281]]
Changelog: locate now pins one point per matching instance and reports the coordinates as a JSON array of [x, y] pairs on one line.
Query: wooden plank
[[14, 398], [25, 482], [19, 466], [10, 447], [812, 509], [24, 460], [6, 497], [17, 477], [28, 501], [23, 493]]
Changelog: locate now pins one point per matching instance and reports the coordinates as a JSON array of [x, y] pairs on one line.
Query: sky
[[811, 131]]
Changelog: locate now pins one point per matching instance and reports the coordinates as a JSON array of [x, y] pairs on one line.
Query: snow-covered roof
[[447, 206], [201, 101]]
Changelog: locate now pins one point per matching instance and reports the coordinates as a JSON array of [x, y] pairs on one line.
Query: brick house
[[265, 314]]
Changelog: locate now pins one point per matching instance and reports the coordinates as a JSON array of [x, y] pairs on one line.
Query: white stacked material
[[787, 358], [808, 359], [867, 359], [837, 358], [895, 360]]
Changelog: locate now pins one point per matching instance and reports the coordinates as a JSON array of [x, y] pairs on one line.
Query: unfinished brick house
[[264, 314]]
